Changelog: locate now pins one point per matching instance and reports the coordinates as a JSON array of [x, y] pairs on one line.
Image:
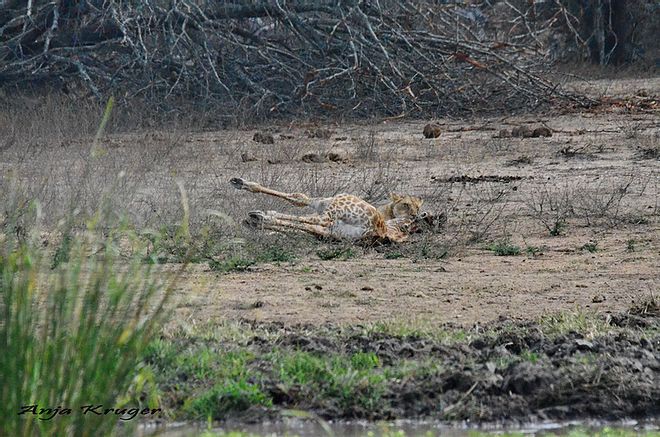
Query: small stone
[[263, 138], [598, 298], [313, 157], [542, 132], [522, 132], [504, 134], [336, 157], [319, 133], [432, 131]]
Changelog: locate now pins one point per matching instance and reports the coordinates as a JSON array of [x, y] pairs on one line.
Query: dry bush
[[366, 149], [609, 202], [648, 147], [270, 59], [551, 205], [478, 212]]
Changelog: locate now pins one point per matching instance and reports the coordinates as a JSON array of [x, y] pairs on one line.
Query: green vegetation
[[74, 322], [590, 247], [233, 264], [504, 248], [533, 251], [419, 329], [557, 228], [72, 334], [583, 322], [393, 255], [237, 263], [230, 396], [341, 253]]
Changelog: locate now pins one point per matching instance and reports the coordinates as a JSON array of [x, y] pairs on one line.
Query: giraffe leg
[[308, 219], [296, 199], [264, 220]]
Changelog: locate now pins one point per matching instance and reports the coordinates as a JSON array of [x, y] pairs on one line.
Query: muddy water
[[312, 428]]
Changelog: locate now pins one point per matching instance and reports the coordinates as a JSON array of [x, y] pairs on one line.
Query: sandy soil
[[591, 156], [474, 288], [472, 285]]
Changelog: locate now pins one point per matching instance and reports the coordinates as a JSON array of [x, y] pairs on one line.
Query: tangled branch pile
[[279, 57]]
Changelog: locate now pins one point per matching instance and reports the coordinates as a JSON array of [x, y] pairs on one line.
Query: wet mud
[[505, 372]]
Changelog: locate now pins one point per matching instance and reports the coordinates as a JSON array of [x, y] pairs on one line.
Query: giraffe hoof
[[238, 183], [255, 218]]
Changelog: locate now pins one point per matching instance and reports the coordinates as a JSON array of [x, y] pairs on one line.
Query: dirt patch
[[560, 203]]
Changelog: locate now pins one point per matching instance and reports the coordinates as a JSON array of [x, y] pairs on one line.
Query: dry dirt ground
[[591, 156], [598, 176]]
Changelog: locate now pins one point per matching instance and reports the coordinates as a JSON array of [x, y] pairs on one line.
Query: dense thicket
[[278, 57]]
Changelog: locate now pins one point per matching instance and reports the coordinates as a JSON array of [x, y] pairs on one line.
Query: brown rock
[[263, 138], [522, 132], [542, 132], [432, 131], [313, 157], [319, 133], [336, 157]]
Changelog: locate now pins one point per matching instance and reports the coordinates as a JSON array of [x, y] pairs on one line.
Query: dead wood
[[273, 58]]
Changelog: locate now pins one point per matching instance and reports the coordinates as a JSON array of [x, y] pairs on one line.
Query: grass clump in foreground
[[72, 334]]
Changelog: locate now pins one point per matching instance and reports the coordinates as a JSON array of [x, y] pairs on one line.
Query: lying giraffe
[[341, 217]]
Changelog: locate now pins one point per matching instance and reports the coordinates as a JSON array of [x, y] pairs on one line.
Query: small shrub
[[590, 247], [556, 228], [393, 255], [233, 264], [630, 245], [342, 253], [533, 250], [275, 254], [504, 248], [530, 356]]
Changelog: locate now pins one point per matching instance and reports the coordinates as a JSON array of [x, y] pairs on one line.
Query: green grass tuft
[[342, 253], [230, 396], [504, 248]]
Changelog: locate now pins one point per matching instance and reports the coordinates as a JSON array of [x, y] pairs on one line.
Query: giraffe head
[[404, 206]]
